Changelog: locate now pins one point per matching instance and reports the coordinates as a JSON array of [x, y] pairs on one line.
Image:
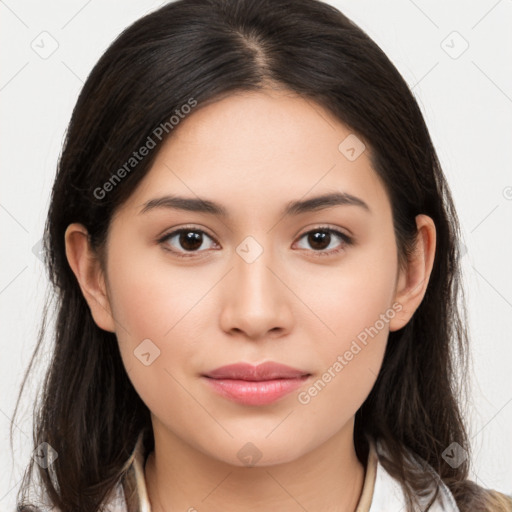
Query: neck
[[181, 478]]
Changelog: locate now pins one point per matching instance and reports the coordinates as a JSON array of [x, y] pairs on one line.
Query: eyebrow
[[199, 205]]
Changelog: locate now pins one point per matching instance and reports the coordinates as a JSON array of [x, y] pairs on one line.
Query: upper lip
[[265, 371]]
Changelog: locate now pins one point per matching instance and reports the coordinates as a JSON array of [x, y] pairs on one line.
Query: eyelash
[[345, 238]]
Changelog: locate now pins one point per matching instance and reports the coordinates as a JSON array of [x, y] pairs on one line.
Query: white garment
[[388, 495]]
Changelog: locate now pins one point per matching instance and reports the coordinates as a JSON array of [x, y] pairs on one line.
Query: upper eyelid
[[176, 231]]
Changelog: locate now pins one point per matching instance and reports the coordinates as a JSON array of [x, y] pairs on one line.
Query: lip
[[255, 385]]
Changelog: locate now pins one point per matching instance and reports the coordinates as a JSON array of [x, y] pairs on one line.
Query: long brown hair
[[89, 411]]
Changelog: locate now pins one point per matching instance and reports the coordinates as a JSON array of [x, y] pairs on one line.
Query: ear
[[85, 264], [412, 282]]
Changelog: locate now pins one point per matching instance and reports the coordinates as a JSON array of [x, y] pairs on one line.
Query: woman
[[255, 254]]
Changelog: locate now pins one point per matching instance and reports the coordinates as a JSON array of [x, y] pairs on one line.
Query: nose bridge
[[254, 257], [255, 302]]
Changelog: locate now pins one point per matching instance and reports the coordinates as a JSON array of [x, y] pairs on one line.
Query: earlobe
[[413, 281], [87, 269]]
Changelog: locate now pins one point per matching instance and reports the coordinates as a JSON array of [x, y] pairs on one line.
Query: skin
[[253, 152]]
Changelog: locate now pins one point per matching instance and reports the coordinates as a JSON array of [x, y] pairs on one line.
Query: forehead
[[254, 148]]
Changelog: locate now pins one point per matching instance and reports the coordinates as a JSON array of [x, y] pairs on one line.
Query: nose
[[255, 299]]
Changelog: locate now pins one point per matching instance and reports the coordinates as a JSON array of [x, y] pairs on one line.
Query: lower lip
[[255, 392]]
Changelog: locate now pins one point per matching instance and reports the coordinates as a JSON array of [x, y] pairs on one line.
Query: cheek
[[149, 295], [351, 323], [159, 311], [345, 301], [350, 357]]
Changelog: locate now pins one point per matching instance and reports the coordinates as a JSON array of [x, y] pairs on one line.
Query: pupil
[[190, 240], [321, 237]]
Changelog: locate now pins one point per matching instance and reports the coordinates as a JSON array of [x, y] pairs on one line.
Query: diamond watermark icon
[[249, 454], [454, 45], [455, 455], [249, 249], [44, 455], [146, 352], [45, 45], [351, 147], [38, 250]]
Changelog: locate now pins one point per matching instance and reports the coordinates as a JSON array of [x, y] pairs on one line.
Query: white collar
[[388, 494]]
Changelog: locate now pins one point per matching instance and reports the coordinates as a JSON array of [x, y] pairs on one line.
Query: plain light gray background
[[455, 55]]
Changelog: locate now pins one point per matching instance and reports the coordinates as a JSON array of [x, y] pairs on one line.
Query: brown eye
[[190, 240], [185, 240], [320, 239]]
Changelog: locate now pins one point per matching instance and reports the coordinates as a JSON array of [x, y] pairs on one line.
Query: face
[[312, 288]]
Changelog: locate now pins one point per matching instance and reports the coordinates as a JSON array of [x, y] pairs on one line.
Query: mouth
[[255, 385]]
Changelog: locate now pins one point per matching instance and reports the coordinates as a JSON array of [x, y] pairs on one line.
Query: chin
[[258, 454]]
